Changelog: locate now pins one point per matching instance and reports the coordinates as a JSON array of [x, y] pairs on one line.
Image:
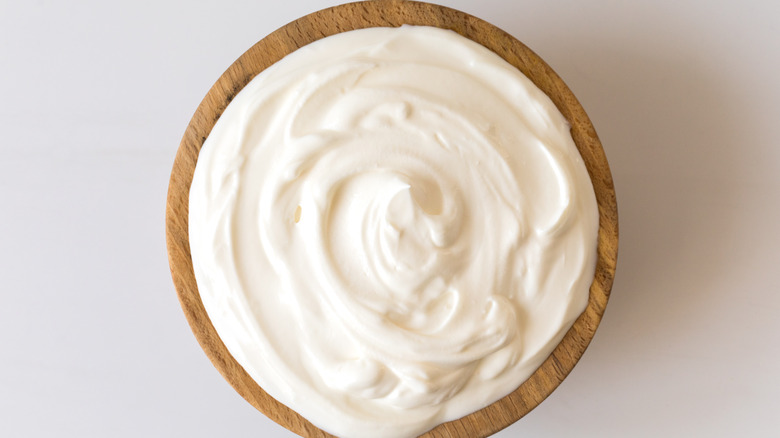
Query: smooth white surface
[[406, 242], [95, 98]]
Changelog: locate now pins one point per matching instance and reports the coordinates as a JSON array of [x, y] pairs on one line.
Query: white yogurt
[[391, 228]]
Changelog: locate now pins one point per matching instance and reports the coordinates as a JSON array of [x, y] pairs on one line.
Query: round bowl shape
[[391, 13]]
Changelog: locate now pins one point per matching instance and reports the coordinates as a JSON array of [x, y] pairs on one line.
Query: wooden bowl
[[386, 14]]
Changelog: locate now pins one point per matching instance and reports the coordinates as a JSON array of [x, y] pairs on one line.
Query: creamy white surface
[[391, 228]]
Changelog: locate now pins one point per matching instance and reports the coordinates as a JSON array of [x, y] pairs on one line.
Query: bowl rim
[[393, 13]]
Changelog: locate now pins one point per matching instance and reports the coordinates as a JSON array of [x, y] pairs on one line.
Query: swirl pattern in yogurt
[[391, 228]]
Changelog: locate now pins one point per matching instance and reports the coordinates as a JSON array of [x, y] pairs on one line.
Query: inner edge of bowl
[[393, 13]]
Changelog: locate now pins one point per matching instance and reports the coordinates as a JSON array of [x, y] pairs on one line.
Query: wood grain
[[391, 13]]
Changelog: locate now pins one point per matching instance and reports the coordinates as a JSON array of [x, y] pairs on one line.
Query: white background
[[94, 98]]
